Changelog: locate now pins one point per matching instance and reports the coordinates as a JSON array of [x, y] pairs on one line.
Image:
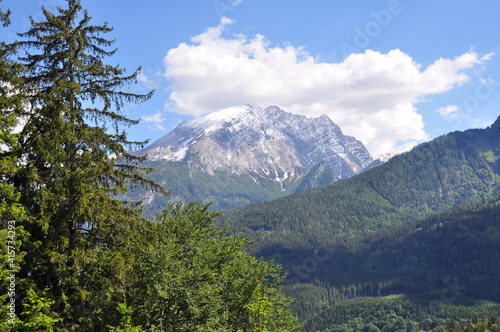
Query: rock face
[[267, 142]]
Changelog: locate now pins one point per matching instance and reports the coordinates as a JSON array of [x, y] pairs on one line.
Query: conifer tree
[[92, 262], [10, 100], [75, 159], [11, 211]]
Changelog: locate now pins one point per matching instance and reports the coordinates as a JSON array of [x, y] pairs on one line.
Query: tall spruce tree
[[75, 159], [11, 211], [11, 100], [92, 263]]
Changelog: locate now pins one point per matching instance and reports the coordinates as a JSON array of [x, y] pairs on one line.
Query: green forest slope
[[453, 169], [408, 245], [449, 259]]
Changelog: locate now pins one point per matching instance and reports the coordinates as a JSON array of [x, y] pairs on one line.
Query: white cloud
[[450, 111], [371, 95], [226, 21], [149, 83], [481, 123], [157, 119]]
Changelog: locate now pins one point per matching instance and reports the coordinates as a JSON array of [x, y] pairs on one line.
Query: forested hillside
[[453, 169], [448, 259], [350, 248]]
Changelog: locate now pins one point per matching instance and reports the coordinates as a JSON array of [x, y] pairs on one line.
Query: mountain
[[247, 155], [269, 142], [453, 169], [407, 245]]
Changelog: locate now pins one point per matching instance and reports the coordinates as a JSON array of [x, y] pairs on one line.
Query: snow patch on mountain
[[268, 141]]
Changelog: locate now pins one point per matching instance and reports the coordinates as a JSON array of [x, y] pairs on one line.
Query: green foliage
[[393, 314], [11, 260], [4, 17], [258, 309], [11, 101], [474, 325], [72, 165], [125, 321], [83, 259], [37, 310], [266, 311], [445, 260], [193, 277], [12, 213], [224, 190], [369, 235]]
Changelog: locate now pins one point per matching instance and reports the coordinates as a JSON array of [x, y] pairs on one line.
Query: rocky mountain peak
[[268, 142], [496, 124]]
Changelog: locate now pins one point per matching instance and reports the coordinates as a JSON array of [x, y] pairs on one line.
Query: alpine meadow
[[285, 190]]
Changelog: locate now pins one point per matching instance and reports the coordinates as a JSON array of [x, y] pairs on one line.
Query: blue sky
[[392, 73]]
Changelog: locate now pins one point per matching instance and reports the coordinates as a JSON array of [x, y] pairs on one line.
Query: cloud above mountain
[[450, 111], [371, 95], [157, 119]]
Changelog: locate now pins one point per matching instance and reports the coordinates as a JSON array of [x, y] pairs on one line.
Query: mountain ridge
[[248, 155], [269, 142], [453, 169], [414, 240]]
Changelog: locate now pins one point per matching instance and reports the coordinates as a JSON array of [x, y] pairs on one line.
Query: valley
[[412, 241]]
